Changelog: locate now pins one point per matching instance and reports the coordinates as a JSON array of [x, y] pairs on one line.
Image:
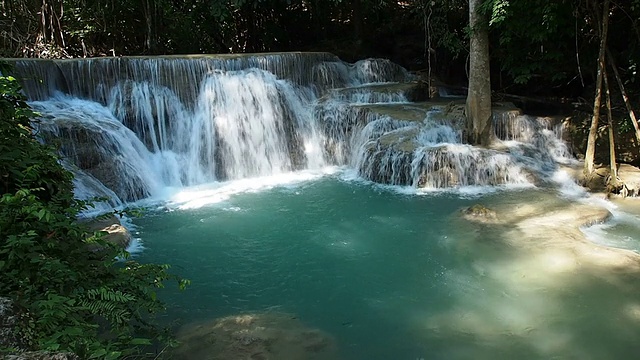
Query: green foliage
[[445, 21], [535, 45], [68, 297], [535, 40]]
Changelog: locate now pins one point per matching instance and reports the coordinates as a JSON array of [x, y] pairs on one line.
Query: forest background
[[546, 48]]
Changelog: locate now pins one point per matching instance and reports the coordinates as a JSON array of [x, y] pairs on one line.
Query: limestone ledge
[[556, 228]]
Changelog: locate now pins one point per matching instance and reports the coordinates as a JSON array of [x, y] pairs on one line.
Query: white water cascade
[[133, 127]]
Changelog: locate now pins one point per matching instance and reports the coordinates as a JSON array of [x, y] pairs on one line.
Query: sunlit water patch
[[389, 275]]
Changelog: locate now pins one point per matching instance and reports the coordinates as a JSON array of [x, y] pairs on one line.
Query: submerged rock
[[480, 213], [254, 336]]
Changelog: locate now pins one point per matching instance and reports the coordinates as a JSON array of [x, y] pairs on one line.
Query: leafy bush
[[68, 298]]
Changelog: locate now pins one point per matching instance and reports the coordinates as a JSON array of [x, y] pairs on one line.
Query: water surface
[[388, 275]]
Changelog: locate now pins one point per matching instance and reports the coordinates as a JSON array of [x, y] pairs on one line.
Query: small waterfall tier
[[131, 127], [392, 140]]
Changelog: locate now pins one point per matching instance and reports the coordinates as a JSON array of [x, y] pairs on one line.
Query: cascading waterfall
[[134, 126], [249, 119], [96, 142], [430, 154]]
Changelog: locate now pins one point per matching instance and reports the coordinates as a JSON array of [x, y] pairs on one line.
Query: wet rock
[[254, 336], [397, 158], [413, 151], [388, 160], [596, 182], [115, 233], [452, 113]]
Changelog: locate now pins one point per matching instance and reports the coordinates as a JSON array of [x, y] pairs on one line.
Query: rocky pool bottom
[[332, 268]]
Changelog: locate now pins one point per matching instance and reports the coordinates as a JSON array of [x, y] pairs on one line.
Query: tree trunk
[[593, 131], [613, 182], [478, 109], [51, 12], [632, 115], [149, 15]]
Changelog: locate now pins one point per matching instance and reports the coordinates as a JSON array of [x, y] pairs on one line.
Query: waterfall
[[249, 117], [430, 153], [96, 142], [132, 127]]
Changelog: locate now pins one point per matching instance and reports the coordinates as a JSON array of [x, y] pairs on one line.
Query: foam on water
[[567, 185], [208, 194], [136, 246], [464, 192]]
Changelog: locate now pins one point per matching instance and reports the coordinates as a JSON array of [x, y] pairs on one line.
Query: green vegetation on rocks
[[63, 296]]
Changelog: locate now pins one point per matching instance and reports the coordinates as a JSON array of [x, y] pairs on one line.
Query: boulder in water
[[264, 336], [112, 229]]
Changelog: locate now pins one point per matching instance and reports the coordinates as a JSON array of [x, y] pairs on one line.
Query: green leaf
[[113, 355], [140, 341], [98, 353]]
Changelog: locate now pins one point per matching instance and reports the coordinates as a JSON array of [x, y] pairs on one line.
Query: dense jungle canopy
[[537, 47]]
